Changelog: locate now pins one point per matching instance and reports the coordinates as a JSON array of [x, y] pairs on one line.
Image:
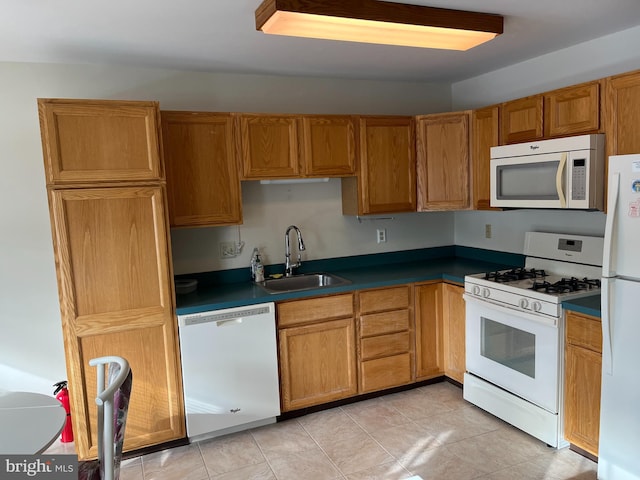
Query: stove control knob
[[537, 306], [524, 303], [486, 292], [476, 290]]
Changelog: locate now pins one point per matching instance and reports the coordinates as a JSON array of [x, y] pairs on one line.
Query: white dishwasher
[[229, 369]]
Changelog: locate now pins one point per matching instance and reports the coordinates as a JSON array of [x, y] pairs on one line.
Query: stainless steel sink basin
[[302, 282]]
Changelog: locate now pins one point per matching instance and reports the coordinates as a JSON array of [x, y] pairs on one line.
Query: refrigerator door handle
[[607, 349], [612, 207]]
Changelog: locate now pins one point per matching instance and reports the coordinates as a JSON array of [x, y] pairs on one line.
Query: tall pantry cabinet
[[107, 201]]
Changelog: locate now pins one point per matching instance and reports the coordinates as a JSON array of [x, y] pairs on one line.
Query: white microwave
[[558, 173]]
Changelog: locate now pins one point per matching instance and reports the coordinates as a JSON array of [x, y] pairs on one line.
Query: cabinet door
[[443, 161], [329, 146], [582, 386], [454, 331], [429, 331], [114, 277], [622, 113], [485, 133], [572, 110], [582, 398], [317, 363], [387, 179], [91, 141], [269, 146], [202, 174], [521, 120]]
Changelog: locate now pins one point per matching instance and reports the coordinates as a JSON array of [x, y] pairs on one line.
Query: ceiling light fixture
[[372, 21]]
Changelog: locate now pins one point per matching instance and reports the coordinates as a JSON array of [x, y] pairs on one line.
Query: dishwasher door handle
[[228, 323], [233, 315]]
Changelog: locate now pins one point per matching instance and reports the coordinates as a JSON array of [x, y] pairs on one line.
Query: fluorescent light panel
[[405, 25]]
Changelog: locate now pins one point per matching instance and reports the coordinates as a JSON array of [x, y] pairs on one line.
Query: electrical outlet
[[381, 235], [228, 250], [487, 230]]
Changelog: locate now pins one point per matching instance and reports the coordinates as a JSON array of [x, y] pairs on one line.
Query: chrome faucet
[[288, 266]]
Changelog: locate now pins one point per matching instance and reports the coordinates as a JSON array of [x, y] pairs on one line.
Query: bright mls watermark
[[50, 467]]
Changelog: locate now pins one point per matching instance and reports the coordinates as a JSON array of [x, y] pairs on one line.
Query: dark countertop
[[236, 294], [587, 305]]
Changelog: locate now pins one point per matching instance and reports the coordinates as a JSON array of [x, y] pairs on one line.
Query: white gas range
[[515, 331]]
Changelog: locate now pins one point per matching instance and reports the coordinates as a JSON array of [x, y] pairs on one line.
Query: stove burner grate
[[566, 285], [514, 274]]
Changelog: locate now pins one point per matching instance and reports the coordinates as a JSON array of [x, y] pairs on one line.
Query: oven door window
[[509, 346]]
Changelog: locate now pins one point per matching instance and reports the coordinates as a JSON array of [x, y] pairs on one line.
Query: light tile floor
[[429, 431]]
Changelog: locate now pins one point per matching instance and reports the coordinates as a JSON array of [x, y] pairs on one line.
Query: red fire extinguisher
[[62, 395]]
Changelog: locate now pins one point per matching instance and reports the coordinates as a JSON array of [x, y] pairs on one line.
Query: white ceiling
[[220, 35]]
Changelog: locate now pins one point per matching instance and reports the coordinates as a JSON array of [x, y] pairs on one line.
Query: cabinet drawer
[[584, 331], [385, 372], [384, 299], [321, 308], [385, 345], [381, 323]]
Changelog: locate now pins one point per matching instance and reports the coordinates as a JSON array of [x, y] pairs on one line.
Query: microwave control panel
[[579, 179]]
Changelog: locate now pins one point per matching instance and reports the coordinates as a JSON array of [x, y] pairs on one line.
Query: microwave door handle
[[559, 178]]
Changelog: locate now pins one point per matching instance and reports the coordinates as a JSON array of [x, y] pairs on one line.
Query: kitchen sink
[[305, 281]]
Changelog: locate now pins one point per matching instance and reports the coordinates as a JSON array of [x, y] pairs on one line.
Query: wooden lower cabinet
[[429, 328], [453, 310], [385, 335], [583, 370], [317, 351], [338, 346]]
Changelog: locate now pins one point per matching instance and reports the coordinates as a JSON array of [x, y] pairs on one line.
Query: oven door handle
[[559, 180], [553, 322]]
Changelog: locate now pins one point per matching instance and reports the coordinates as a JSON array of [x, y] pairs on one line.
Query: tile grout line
[[322, 449], [378, 443], [266, 459]]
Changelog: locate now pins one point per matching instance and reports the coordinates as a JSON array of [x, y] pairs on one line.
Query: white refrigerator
[[619, 447]]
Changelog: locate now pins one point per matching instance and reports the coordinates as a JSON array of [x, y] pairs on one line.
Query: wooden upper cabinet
[[90, 141], [269, 146], [521, 120], [572, 110], [387, 178], [203, 184], [114, 277], [622, 113], [443, 161], [329, 145], [485, 133]]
